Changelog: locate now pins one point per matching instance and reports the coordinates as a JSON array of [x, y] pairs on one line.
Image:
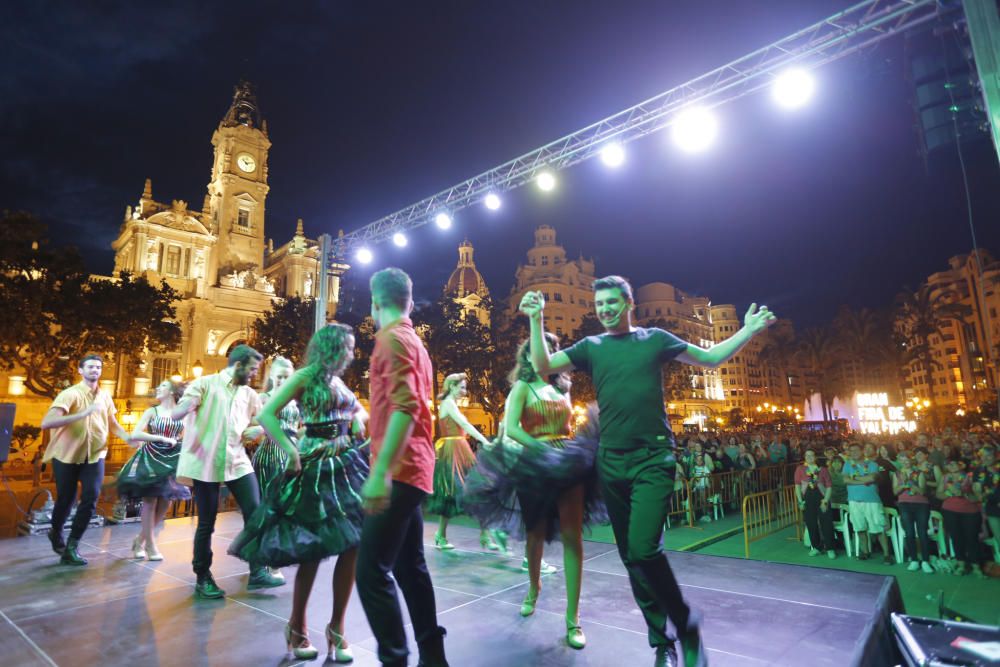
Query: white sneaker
[[813, 551], [545, 567], [276, 573], [926, 567], [831, 554], [913, 566]]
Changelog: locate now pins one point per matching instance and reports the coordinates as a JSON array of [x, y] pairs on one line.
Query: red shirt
[[401, 380]]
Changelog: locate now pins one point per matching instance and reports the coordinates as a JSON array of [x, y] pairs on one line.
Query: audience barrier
[[767, 512]]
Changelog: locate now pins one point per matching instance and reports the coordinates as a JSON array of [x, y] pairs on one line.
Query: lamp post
[[197, 369]]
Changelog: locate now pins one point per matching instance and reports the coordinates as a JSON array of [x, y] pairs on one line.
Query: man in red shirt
[[402, 470]]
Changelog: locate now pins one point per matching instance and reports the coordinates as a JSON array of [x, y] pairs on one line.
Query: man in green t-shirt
[[635, 461]]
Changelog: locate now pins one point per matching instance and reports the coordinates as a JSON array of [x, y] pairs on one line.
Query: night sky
[[374, 105]]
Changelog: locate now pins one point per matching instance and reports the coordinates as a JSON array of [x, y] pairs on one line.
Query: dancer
[[548, 476], [454, 458], [220, 409], [316, 513], [150, 474], [80, 417], [402, 474], [636, 462], [269, 460]]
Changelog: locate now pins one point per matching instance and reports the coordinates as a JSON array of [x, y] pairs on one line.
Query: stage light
[[793, 88], [613, 155], [694, 129], [399, 238], [364, 255], [492, 201], [442, 220], [546, 181]]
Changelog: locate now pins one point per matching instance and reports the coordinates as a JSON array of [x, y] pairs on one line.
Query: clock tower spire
[[238, 188]]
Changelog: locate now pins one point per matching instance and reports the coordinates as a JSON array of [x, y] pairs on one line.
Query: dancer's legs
[[343, 584], [148, 519], [571, 532], [304, 578]]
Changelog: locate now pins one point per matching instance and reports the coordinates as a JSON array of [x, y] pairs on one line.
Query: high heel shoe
[[486, 542], [500, 537], [528, 606], [298, 644], [153, 553], [442, 542], [138, 552], [574, 636], [336, 652]]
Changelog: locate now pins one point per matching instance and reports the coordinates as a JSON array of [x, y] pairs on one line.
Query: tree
[[776, 357], [285, 329], [63, 313], [23, 435], [457, 342], [922, 314], [488, 383], [356, 375], [819, 352]]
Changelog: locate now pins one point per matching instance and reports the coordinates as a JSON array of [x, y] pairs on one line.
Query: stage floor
[[118, 612]]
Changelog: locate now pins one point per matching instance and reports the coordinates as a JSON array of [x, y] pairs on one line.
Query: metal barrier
[[712, 494], [768, 512]]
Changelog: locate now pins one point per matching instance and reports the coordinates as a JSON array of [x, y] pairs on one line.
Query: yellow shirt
[[213, 450], [85, 440]]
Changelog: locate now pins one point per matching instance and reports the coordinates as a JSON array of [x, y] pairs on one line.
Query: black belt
[[330, 429]]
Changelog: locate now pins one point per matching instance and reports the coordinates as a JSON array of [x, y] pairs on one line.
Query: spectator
[[835, 468], [960, 510], [746, 459], [910, 486], [813, 489], [884, 479], [700, 470], [865, 507], [986, 484], [777, 452]]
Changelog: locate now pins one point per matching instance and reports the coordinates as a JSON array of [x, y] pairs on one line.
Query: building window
[[187, 262], [173, 267], [659, 311], [163, 368], [159, 260], [557, 296], [243, 218], [545, 260]]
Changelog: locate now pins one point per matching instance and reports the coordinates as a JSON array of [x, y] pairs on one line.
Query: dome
[[465, 279]]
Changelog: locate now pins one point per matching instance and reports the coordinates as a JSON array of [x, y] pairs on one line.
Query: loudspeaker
[[6, 429]]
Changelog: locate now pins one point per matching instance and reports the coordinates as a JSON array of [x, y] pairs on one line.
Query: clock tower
[[238, 189]]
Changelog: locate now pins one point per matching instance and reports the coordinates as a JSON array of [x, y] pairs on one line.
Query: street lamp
[[197, 369]]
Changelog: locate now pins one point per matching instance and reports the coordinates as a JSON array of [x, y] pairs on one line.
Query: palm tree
[[922, 314], [777, 356], [820, 353]]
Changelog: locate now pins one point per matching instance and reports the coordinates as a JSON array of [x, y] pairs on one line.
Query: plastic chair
[[895, 532], [843, 526], [945, 548]]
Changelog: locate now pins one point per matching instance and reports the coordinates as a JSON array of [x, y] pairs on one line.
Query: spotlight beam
[[860, 26]]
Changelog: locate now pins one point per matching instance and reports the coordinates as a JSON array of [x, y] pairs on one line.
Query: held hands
[[532, 304], [756, 320], [375, 492]]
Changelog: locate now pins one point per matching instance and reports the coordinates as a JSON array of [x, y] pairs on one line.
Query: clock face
[[246, 162]]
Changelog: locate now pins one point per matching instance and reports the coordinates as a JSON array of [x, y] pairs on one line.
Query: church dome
[[465, 279]]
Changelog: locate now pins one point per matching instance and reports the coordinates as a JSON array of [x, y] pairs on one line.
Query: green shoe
[[70, 555], [207, 589]]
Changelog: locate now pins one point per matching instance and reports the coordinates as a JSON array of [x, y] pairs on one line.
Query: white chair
[[843, 525], [895, 532], [945, 548]]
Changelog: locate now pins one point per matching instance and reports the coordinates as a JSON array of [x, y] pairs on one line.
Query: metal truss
[[844, 33]]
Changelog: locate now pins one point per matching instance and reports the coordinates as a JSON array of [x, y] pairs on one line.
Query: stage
[[117, 612]]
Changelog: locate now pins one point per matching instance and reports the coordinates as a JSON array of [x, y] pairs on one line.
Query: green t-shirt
[[627, 370]]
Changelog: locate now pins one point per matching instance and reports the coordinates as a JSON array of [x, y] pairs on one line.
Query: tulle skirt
[[313, 515], [151, 473], [512, 486], [454, 458]]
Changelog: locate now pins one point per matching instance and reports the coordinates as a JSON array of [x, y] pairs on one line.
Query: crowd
[[942, 481]]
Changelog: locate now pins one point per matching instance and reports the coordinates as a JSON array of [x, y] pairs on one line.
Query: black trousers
[[392, 546], [915, 517], [637, 485], [206, 499], [818, 523], [89, 476], [963, 529]]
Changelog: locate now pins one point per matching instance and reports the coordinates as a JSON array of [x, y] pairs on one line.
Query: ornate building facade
[[466, 285], [218, 258], [565, 283]]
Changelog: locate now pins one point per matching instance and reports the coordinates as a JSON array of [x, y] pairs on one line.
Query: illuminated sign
[[875, 415]]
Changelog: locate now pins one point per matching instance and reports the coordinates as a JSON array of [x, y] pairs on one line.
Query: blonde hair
[[277, 362], [451, 382]]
